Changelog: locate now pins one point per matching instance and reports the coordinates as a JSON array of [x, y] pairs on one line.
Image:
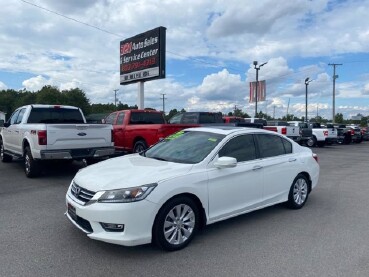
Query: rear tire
[[311, 142], [5, 158], [299, 192], [139, 146], [31, 166]]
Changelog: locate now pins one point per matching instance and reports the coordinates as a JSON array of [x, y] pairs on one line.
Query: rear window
[[146, 118], [55, 116]]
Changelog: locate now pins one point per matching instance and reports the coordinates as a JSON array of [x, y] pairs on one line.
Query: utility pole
[[334, 90], [163, 94], [235, 109], [307, 81], [257, 68], [115, 98]]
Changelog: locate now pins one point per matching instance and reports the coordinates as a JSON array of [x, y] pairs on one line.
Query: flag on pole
[[261, 91]]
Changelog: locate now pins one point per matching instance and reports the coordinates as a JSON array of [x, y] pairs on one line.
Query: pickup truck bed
[[53, 132]]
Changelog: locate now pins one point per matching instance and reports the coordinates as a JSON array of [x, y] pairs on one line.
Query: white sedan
[[193, 178]]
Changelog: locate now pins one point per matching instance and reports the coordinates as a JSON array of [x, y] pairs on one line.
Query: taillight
[[352, 132], [325, 133], [284, 131], [42, 137], [315, 156]]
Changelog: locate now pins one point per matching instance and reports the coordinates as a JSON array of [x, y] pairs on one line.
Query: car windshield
[[185, 147]]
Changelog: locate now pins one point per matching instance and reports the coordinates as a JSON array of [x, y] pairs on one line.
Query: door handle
[[257, 167], [292, 160]]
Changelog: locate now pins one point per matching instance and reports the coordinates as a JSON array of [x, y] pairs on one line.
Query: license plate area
[[72, 212]]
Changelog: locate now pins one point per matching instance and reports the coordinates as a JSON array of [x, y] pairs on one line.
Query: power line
[[70, 18]]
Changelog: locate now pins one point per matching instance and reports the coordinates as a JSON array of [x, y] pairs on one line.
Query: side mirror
[[225, 162]]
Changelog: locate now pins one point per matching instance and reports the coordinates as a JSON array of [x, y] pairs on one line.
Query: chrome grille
[[80, 193]]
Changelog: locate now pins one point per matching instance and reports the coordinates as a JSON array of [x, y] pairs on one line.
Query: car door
[[280, 165], [9, 133], [19, 132], [234, 190]]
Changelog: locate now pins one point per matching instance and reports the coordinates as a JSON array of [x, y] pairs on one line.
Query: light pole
[[257, 68], [307, 81], [115, 98], [163, 98]]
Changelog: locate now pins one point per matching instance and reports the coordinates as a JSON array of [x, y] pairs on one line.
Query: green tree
[[49, 95], [76, 97], [338, 118]]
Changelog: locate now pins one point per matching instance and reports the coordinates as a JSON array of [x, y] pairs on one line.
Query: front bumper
[[137, 217]]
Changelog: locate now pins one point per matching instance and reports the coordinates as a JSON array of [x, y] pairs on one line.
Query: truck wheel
[[139, 146], [5, 158], [311, 141], [31, 167]]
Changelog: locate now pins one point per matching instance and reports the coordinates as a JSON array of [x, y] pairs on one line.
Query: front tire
[[299, 192], [176, 224], [31, 166], [5, 158]]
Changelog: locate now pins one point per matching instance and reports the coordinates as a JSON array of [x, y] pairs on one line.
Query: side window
[[110, 118], [13, 118], [270, 145], [120, 118], [176, 119], [242, 148], [20, 116], [287, 146]]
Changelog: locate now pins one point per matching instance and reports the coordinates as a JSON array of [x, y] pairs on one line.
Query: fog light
[[111, 227]]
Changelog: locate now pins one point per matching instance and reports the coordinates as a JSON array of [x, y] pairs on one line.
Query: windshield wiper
[[159, 159]]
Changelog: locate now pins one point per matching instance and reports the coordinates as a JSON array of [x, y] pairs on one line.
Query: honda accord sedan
[[192, 178]]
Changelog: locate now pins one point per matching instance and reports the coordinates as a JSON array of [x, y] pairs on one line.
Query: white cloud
[[2, 86], [35, 83]]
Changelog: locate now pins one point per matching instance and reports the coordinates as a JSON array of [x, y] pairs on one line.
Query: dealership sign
[[142, 57]]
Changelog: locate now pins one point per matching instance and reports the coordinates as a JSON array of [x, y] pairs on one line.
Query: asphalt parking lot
[[328, 237]]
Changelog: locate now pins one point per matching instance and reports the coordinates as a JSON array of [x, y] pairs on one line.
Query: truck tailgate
[[74, 136], [332, 133]]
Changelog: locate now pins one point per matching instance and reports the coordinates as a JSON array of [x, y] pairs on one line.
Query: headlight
[[127, 195]]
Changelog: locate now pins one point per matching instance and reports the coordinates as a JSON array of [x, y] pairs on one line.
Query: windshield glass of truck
[[185, 147], [55, 116]]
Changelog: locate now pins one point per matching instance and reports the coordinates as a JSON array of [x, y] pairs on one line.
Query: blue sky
[[210, 49]]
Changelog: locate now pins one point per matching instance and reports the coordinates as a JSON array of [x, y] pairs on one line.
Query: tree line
[[11, 99]]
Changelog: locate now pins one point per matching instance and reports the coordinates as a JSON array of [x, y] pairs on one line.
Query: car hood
[[127, 171]]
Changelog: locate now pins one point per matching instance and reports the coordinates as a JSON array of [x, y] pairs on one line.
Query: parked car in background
[[365, 132], [136, 130], [322, 135], [306, 132], [194, 177], [356, 135], [233, 119], [197, 118], [284, 128], [343, 133], [38, 133]]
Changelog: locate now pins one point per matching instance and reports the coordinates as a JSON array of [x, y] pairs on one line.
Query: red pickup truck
[[136, 130]]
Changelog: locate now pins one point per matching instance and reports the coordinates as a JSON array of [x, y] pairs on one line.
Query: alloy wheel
[[300, 191], [179, 224]]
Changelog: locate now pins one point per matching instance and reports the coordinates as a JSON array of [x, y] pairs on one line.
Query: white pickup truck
[[284, 128], [52, 132], [322, 136]]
